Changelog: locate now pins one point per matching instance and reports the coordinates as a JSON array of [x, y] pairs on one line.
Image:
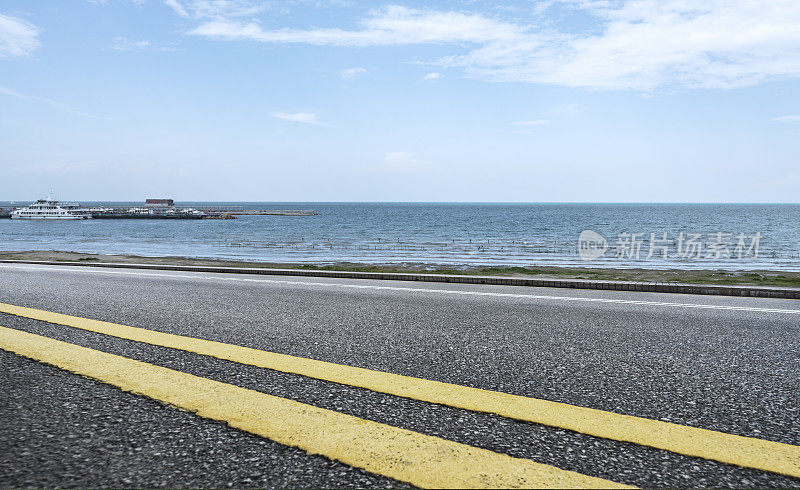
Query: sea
[[653, 236]]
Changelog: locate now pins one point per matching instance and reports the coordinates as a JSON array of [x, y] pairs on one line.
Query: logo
[[591, 245]]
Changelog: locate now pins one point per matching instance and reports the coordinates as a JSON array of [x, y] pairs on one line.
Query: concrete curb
[[653, 287]]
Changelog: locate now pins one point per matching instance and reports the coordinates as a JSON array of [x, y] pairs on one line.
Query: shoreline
[[673, 276]]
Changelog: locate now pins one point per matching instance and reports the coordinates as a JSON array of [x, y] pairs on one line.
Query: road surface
[[721, 363]]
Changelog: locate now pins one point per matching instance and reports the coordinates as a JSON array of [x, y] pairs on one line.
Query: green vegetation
[[761, 278]]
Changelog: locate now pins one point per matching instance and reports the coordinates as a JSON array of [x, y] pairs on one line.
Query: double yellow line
[[422, 460]]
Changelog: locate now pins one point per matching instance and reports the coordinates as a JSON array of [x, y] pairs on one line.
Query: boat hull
[[47, 218]]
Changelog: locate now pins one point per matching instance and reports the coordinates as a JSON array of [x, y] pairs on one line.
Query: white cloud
[[52, 103], [789, 180], [566, 111], [103, 2], [433, 76], [125, 44], [533, 122], [226, 8], [393, 25], [17, 37], [177, 7], [352, 72], [299, 117], [632, 44], [787, 119], [558, 113], [403, 161], [647, 44], [205, 9]]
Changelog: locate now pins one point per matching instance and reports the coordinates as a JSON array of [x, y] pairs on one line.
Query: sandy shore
[[759, 278]]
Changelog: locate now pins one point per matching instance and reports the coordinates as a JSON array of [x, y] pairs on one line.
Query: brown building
[[160, 202]]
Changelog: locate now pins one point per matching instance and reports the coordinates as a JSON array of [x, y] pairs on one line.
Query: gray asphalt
[[721, 369]]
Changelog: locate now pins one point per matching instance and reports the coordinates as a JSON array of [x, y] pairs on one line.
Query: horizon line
[[428, 202]]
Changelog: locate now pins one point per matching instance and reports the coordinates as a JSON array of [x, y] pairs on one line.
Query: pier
[[171, 211], [275, 212]]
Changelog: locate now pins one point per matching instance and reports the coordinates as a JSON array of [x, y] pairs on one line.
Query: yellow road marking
[[422, 460], [743, 451]]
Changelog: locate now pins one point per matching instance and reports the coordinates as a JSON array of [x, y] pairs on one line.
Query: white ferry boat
[[49, 209]]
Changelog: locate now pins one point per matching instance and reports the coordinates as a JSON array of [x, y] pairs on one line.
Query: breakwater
[[171, 212], [275, 212]]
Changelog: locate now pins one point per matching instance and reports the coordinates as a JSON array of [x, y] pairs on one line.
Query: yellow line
[[422, 460], [727, 448]]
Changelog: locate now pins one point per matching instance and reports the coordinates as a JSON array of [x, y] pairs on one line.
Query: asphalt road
[[720, 363]]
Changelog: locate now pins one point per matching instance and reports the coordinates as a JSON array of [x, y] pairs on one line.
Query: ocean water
[[753, 236]]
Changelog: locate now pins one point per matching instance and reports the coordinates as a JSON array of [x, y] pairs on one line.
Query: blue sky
[[315, 100]]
